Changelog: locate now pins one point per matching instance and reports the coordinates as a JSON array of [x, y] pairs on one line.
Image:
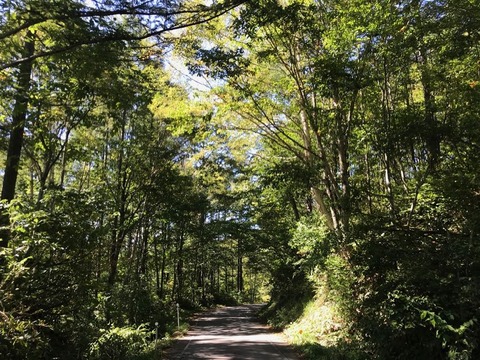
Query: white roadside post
[[178, 316]]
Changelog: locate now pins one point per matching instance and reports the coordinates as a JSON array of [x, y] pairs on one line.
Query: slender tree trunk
[[174, 287], [15, 143], [156, 265], [164, 260], [254, 287], [386, 114], [345, 205], [32, 182], [42, 184], [113, 252], [293, 203], [203, 283], [432, 135], [179, 267], [239, 267], [369, 183], [213, 281], [144, 255], [226, 279], [118, 232], [162, 273], [64, 159], [388, 183]]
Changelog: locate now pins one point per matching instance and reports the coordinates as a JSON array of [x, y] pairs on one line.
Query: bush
[[224, 298], [120, 343], [416, 296], [291, 292], [20, 339]]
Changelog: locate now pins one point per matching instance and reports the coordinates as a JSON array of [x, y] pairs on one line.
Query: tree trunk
[[308, 154], [239, 268], [179, 267], [15, 143], [293, 203], [64, 159], [144, 253], [118, 232], [161, 294], [432, 135]]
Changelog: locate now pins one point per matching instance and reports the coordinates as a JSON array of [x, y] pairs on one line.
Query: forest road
[[230, 333]]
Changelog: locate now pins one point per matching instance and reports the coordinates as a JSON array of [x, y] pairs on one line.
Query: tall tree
[[60, 27], [361, 93]]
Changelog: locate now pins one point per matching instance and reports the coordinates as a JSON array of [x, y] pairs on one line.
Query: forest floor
[[229, 333]]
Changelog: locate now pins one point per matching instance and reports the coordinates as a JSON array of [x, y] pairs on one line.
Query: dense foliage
[[368, 110], [335, 155], [116, 207]]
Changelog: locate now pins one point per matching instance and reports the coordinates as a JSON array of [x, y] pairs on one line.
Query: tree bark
[[239, 268], [118, 232], [178, 289], [15, 143], [432, 134]]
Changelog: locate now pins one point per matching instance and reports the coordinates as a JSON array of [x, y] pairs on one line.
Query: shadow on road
[[230, 333]]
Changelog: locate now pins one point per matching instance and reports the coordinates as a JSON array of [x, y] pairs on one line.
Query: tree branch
[[197, 16]]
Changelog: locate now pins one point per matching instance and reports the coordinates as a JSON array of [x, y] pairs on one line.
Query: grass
[[319, 333]]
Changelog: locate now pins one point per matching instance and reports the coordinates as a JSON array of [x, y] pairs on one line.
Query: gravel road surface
[[229, 333]]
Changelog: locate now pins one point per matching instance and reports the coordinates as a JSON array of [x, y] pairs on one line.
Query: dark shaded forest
[[321, 156]]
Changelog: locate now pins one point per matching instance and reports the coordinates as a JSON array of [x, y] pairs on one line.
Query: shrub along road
[[231, 333]]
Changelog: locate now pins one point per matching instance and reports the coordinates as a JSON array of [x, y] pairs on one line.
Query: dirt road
[[231, 333]]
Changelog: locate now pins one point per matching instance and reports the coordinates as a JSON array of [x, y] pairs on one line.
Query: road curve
[[230, 333]]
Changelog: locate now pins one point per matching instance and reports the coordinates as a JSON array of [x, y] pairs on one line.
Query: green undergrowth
[[291, 292], [137, 343], [319, 333], [310, 314]]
